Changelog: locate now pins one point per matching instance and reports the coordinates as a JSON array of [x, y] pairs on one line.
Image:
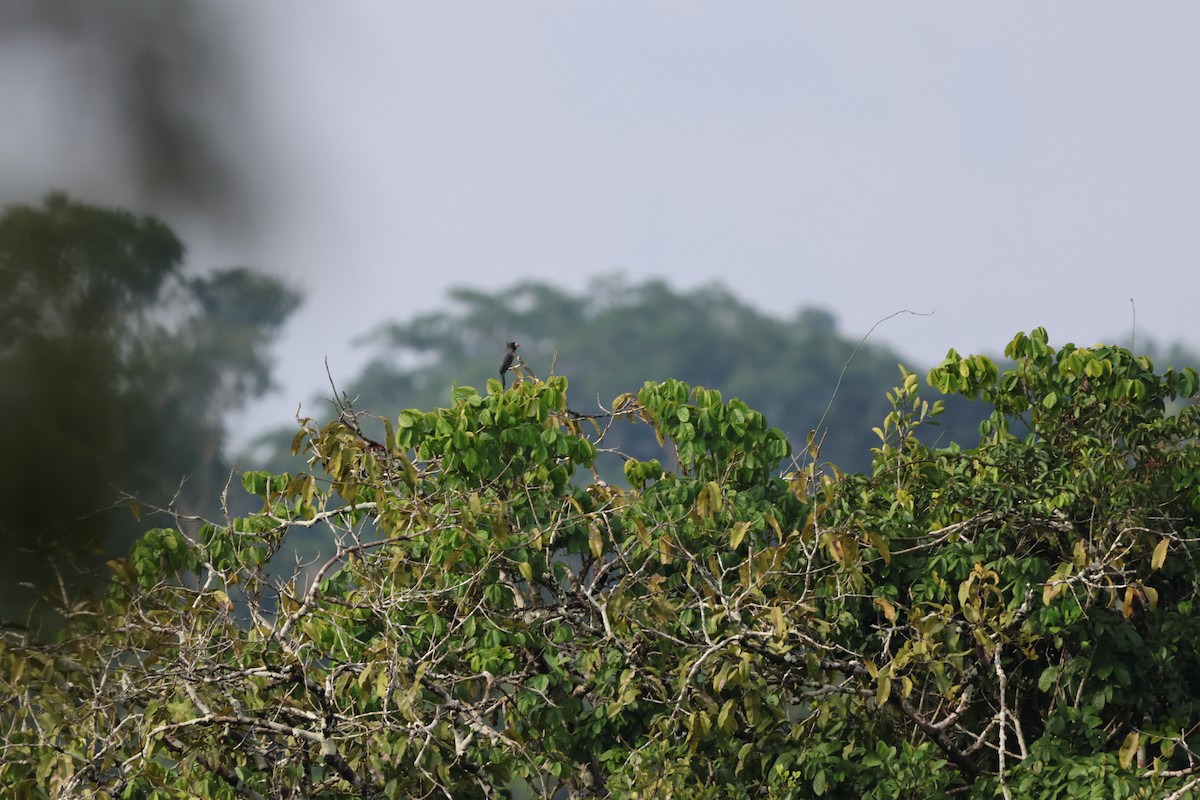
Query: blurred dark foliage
[[117, 371], [159, 73]]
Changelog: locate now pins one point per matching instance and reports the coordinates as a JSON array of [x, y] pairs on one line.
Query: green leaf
[[255, 482], [818, 785]]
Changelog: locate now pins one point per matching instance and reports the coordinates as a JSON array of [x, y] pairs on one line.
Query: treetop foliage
[[1011, 618], [613, 334]]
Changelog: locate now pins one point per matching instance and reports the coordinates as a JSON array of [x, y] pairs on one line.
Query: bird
[[506, 363]]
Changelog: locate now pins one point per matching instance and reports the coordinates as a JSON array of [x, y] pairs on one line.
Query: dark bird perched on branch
[[505, 364]]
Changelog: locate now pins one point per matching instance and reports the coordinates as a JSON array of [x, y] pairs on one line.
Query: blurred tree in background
[[117, 370]]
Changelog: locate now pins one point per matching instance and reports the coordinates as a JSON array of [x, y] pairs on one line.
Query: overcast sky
[[1002, 165]]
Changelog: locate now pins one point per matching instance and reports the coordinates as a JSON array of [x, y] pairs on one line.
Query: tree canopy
[[614, 334], [118, 367], [1014, 617]]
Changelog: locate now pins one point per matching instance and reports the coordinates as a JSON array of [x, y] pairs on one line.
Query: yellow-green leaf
[[884, 691], [1160, 554], [643, 533], [1051, 590], [594, 541], [778, 620], [1080, 554], [1055, 585], [1129, 748], [723, 715], [879, 543], [1127, 607], [889, 610], [714, 496], [664, 551], [737, 534], [123, 569]]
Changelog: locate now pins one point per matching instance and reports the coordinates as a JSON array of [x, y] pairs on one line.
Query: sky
[[991, 167]]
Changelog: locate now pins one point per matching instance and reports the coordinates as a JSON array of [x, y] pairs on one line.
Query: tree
[[614, 334], [117, 370], [1012, 618]]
